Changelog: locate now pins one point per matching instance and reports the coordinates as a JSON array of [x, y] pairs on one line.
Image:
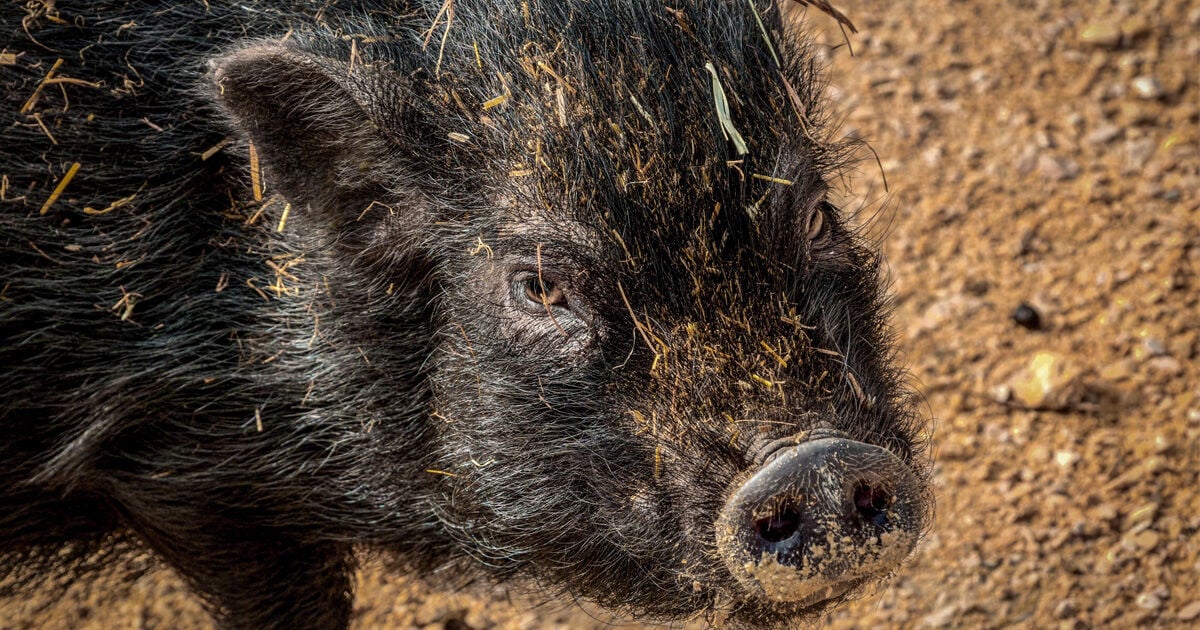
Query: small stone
[[977, 286], [1066, 459], [1132, 476], [1057, 169], [1027, 159], [1135, 27], [1139, 153], [1102, 34], [1145, 513], [1155, 346], [1043, 139], [1166, 365], [1148, 88], [1173, 527], [1149, 601], [980, 80], [941, 618], [1147, 540], [1045, 381], [1065, 609], [1189, 612], [1103, 134], [1193, 416], [1118, 371], [1027, 317], [1155, 465]]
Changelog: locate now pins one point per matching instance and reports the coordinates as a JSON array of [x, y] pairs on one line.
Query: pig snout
[[820, 518]]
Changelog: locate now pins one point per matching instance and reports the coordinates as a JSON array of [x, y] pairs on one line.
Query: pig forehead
[[635, 140], [538, 228], [604, 127], [681, 225], [656, 132]]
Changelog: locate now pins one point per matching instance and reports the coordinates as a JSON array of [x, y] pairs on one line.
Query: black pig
[[548, 290]]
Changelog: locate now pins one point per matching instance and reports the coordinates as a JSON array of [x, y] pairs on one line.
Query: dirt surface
[[1041, 153]]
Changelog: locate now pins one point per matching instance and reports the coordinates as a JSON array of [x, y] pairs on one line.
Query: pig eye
[[817, 228], [539, 293]]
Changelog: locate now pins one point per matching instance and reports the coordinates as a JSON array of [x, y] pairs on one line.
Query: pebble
[[1172, 195], [1137, 153], [980, 79], [1147, 540], [941, 618], [1189, 612], [1066, 459], [1027, 159], [1148, 88], [1057, 168], [1149, 601], [1118, 371], [1135, 27], [1173, 527], [1027, 317], [1166, 365], [1065, 608], [1102, 34], [1154, 465], [1142, 514], [1104, 134], [1043, 139], [1127, 479], [1044, 380]]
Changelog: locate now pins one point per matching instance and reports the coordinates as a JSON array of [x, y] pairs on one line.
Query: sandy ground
[[1041, 153]]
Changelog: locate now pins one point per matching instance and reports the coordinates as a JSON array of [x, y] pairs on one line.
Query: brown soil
[[1045, 153]]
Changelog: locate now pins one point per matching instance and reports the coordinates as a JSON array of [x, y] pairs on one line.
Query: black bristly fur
[[258, 399]]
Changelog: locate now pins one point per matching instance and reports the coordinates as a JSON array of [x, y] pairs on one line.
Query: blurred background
[[1042, 222]]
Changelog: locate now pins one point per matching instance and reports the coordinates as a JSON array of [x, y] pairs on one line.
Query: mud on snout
[[821, 517]]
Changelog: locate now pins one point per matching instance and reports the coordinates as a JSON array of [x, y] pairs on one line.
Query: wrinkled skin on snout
[[574, 303]]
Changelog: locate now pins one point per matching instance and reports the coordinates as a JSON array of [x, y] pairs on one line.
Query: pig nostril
[[780, 525], [872, 503], [819, 520]]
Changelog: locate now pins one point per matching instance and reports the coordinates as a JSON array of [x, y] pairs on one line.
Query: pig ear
[[312, 125]]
